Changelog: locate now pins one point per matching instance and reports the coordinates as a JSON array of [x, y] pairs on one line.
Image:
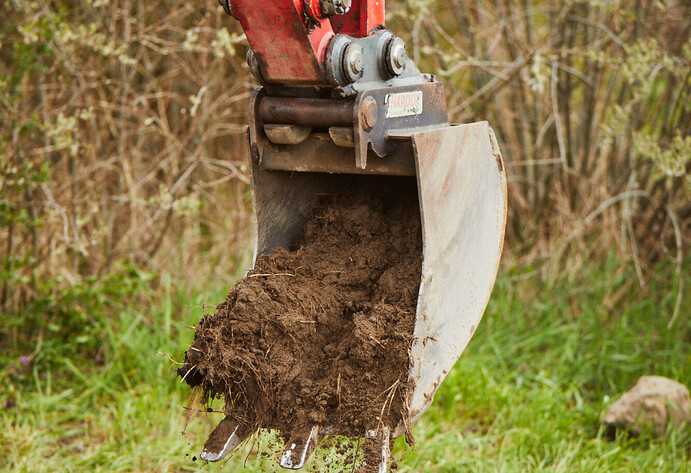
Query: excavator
[[339, 97]]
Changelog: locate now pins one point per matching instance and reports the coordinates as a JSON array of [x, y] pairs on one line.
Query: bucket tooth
[[299, 448], [227, 435], [385, 451], [383, 438]]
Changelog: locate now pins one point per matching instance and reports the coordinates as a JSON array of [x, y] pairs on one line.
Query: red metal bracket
[[289, 37], [289, 47]]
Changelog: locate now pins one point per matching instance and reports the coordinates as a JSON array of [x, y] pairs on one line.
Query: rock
[[654, 401]]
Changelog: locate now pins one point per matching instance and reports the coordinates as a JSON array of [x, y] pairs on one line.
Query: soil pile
[[320, 334]]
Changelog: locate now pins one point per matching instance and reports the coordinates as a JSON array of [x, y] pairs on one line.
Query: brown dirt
[[320, 334]]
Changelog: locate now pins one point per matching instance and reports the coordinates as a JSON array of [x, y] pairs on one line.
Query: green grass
[[527, 394]]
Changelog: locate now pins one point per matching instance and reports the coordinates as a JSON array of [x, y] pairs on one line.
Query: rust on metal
[[318, 153], [369, 111], [301, 111], [287, 134], [342, 136]]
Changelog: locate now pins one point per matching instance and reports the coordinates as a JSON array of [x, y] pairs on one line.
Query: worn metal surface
[[228, 442], [345, 61], [363, 17], [306, 111], [287, 134], [298, 450], [282, 203], [375, 127], [462, 194], [461, 188], [385, 450], [287, 49], [319, 153], [375, 131], [375, 49], [342, 136]]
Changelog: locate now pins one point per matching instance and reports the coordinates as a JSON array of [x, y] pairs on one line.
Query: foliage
[[71, 322], [117, 121], [590, 102], [122, 135]]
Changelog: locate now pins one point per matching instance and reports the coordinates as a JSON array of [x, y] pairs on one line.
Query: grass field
[[527, 394]]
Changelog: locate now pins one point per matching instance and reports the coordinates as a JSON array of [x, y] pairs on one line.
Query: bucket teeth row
[[228, 434]]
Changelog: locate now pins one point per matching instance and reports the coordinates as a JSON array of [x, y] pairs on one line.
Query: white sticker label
[[404, 104]]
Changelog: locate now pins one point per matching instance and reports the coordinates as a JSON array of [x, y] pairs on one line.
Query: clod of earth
[[320, 334]]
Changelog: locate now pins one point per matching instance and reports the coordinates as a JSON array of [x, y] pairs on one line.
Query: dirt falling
[[320, 335]]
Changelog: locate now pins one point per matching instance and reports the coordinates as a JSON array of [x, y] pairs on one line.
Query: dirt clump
[[320, 334]]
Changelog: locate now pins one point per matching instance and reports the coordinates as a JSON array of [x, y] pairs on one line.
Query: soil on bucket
[[320, 334]]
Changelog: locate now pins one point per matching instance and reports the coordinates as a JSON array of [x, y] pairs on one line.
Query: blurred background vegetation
[[123, 183]]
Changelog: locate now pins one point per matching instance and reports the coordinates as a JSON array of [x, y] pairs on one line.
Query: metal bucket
[[458, 175], [461, 189]]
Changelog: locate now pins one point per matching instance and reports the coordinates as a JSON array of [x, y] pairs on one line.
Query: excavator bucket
[[458, 175], [461, 187]]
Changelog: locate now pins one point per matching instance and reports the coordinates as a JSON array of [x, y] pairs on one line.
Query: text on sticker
[[404, 104]]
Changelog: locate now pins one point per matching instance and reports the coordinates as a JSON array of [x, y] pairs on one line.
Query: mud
[[320, 333]]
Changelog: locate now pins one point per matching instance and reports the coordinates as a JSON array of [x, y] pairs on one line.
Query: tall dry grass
[[121, 139], [122, 131], [591, 102]]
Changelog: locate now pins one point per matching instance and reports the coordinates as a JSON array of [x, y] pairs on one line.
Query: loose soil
[[320, 334]]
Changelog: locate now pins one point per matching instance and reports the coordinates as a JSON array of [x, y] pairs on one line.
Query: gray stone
[[655, 402]]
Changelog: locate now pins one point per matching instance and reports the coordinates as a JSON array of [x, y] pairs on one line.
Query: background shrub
[[122, 137]]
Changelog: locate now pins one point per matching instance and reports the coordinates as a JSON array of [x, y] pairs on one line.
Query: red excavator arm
[[289, 38]]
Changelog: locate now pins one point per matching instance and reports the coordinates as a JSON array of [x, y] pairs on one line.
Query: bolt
[[399, 56], [353, 62], [396, 57], [369, 112], [334, 7]]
